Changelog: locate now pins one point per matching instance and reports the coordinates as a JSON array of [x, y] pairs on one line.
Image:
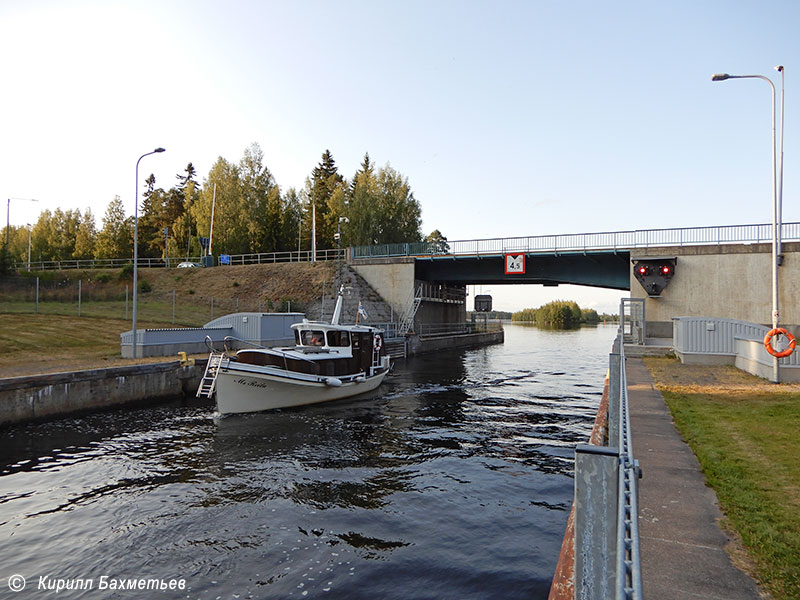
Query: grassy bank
[[34, 344], [745, 433]]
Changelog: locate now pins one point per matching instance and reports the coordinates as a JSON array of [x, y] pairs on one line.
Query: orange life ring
[[377, 342], [782, 353]]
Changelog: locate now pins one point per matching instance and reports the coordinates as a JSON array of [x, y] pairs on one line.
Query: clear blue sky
[[508, 118]]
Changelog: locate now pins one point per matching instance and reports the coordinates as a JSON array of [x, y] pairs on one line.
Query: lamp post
[[136, 245], [776, 208]]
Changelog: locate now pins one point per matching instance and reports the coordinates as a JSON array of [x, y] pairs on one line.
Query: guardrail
[[607, 560], [158, 263], [582, 242]]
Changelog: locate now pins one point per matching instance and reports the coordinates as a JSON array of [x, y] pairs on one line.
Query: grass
[[46, 343], [745, 434]]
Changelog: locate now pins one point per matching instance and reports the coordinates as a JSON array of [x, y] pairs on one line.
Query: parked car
[[187, 265]]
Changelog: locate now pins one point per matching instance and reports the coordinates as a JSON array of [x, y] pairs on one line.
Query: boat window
[[339, 338], [313, 337], [297, 337]]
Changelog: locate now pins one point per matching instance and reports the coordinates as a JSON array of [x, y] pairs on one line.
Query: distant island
[[560, 314]]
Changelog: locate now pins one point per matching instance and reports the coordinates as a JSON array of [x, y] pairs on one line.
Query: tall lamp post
[[776, 208], [136, 245]]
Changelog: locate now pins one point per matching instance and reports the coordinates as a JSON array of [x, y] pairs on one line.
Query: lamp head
[[779, 68], [159, 150], [720, 77]]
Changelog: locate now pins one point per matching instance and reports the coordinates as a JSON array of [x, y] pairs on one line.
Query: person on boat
[[316, 339]]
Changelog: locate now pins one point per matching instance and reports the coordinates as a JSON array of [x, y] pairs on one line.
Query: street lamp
[[136, 245], [776, 208]]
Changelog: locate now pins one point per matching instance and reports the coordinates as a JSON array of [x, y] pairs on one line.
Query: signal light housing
[[654, 274]]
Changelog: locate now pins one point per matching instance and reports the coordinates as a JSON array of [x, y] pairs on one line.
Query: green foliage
[[559, 314], [251, 215], [235, 284], [103, 278], [145, 287], [126, 272]]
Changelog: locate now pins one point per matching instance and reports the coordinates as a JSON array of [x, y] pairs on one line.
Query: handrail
[[584, 242], [629, 567]]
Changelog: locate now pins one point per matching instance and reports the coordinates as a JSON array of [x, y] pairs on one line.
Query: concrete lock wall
[[47, 396], [722, 281], [392, 279]]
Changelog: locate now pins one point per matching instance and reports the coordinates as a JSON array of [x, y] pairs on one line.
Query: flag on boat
[[361, 310]]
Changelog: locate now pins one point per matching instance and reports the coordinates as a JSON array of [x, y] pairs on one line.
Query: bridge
[[721, 271]]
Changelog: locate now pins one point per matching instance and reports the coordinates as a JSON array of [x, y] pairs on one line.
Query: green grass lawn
[[747, 439]]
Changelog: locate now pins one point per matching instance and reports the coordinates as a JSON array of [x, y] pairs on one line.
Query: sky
[[509, 118]]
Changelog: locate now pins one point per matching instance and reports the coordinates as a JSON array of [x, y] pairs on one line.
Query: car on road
[[187, 265]]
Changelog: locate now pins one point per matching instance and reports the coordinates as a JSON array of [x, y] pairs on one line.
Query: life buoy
[[768, 342], [376, 342]]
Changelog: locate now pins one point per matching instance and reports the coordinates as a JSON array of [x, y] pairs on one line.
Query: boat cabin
[[324, 349]]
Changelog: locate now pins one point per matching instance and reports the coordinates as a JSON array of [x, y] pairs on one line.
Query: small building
[[263, 329]]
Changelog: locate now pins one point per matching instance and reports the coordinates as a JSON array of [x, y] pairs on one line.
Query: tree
[[262, 201], [438, 242], [115, 239], [231, 227], [85, 237], [325, 181]]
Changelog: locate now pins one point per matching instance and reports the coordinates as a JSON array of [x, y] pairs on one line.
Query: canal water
[[453, 480]]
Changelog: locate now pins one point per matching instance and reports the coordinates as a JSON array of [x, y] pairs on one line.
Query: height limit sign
[[515, 264]]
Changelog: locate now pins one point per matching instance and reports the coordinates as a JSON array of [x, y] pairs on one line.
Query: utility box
[[208, 261]]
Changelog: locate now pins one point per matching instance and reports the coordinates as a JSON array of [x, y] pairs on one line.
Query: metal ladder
[[209, 382], [407, 321]]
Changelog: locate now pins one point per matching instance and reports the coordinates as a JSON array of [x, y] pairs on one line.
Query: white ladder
[[407, 321], [209, 382]]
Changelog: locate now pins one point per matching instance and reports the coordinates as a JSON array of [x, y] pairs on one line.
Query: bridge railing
[[579, 242]]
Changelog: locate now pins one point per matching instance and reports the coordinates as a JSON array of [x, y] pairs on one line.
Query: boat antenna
[[337, 312]]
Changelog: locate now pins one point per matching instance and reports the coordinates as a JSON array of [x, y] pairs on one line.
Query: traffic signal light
[[654, 274]]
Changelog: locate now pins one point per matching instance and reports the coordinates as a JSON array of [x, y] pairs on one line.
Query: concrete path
[[682, 546]]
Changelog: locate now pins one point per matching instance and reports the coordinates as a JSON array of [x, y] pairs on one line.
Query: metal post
[[37, 295], [775, 233], [136, 247], [79, 297], [173, 307], [126, 302]]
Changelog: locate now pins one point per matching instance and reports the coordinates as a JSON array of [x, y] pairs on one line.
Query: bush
[[103, 278], [126, 272], [145, 287]]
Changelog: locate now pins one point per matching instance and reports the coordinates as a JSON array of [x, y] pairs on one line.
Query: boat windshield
[[339, 338], [312, 337]]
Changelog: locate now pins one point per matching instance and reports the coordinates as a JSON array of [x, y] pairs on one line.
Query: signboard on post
[[515, 264], [224, 259], [483, 303]]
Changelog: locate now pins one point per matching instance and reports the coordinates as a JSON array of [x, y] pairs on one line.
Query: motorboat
[[328, 362]]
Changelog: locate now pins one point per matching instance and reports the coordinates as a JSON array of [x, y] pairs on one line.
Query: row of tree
[[251, 214], [559, 314]]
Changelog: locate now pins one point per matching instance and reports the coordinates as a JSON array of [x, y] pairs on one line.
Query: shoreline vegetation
[[560, 314], [743, 431]]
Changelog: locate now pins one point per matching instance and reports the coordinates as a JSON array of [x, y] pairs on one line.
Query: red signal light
[[665, 270], [643, 270]]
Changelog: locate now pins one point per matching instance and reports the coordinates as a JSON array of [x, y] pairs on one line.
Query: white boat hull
[[243, 388]]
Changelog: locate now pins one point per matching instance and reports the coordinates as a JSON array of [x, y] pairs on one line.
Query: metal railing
[[607, 559], [582, 242], [629, 566], [158, 263]]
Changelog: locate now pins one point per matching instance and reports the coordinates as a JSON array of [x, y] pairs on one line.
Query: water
[[452, 481]]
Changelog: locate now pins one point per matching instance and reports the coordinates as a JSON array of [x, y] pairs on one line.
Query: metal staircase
[[407, 321], [208, 384]]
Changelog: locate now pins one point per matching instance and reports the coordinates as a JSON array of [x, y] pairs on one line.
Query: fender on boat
[[333, 382]]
